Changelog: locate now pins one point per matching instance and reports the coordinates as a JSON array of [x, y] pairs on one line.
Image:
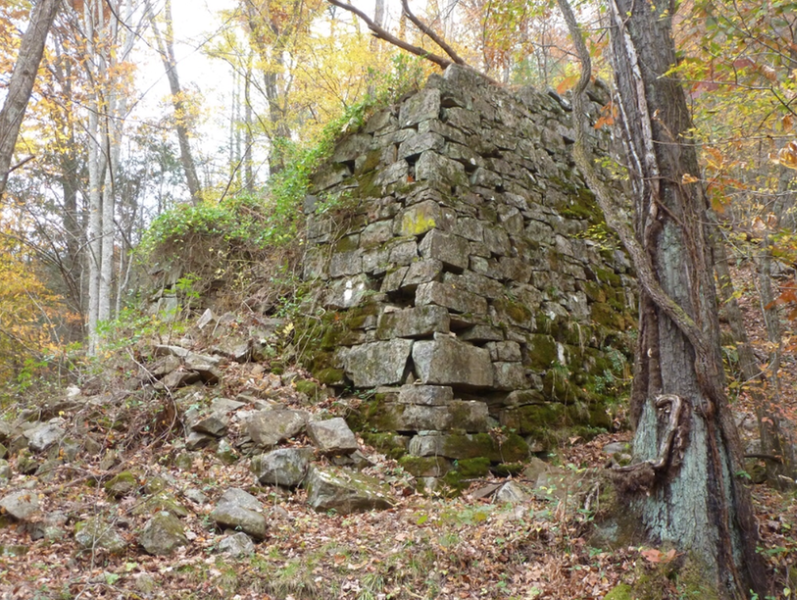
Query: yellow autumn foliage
[[30, 314]]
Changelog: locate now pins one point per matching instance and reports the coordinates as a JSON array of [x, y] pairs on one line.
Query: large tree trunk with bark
[[688, 455], [20, 87]]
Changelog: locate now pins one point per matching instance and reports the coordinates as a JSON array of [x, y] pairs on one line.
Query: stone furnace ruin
[[463, 278]]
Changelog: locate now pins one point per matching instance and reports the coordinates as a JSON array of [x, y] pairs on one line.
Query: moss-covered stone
[[425, 466], [467, 446], [534, 418], [519, 313], [122, 484], [557, 386], [620, 592], [367, 186], [308, 388], [160, 502], [507, 469], [542, 352], [391, 444], [370, 163], [470, 468], [594, 291], [604, 314], [609, 277], [330, 376], [510, 449]]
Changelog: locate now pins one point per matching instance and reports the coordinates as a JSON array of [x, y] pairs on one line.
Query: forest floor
[[426, 546]]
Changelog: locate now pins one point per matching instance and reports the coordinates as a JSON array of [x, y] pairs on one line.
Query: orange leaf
[[687, 178]]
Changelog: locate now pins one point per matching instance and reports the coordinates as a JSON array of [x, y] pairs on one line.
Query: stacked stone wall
[[452, 239]]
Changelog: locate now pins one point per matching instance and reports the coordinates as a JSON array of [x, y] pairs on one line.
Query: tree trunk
[[21, 85], [166, 50], [776, 440], [686, 445], [249, 176], [269, 42]]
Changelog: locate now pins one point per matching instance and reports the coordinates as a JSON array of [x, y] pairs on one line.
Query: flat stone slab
[[447, 361], [345, 491], [422, 321], [214, 424], [377, 363], [426, 395]]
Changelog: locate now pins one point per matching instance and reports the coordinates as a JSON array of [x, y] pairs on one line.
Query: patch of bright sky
[[196, 24]]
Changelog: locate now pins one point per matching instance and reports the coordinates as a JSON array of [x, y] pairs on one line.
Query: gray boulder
[[162, 534], [268, 428], [237, 509], [45, 435], [286, 467], [332, 436], [345, 491], [21, 505], [237, 545]]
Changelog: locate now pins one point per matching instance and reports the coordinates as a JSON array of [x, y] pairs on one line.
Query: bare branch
[[431, 33], [390, 38]]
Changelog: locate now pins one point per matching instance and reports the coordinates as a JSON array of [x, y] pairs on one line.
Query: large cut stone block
[[509, 376], [446, 361], [422, 321], [462, 446], [450, 296], [345, 293], [452, 250], [377, 363], [419, 219], [351, 147], [422, 271], [465, 415], [422, 106], [421, 142], [427, 395], [438, 169], [478, 284]]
